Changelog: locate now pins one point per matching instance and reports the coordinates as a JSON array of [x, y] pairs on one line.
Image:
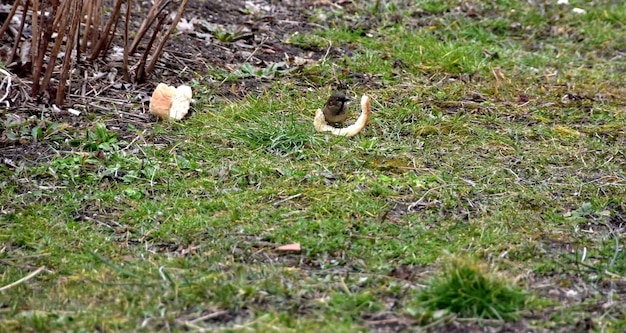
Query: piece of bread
[[320, 124], [170, 102]]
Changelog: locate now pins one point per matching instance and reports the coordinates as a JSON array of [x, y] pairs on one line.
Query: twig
[[24, 279], [445, 319], [256, 50], [612, 262], [209, 316], [419, 201], [21, 258], [7, 79], [614, 275], [153, 14], [43, 39], [330, 45], [126, 41], [119, 269], [19, 32], [163, 41], [107, 34], [67, 60], [134, 140], [6, 24], [35, 31], [61, 28], [141, 73], [193, 326], [288, 199]]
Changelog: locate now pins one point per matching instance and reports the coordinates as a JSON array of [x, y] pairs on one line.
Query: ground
[[498, 135], [226, 34]]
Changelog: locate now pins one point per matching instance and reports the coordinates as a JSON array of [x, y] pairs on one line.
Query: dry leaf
[[295, 247]]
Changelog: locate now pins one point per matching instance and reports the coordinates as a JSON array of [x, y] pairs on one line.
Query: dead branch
[[67, 60], [5, 26], [19, 32], [159, 50], [74, 28]]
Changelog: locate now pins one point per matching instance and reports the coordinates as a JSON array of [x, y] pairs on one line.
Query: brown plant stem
[[5, 26], [67, 60], [43, 39], [54, 53], [126, 40], [141, 69], [107, 35], [159, 50], [19, 33], [153, 14], [33, 41]]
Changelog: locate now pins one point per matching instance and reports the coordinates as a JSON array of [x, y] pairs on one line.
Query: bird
[[336, 108]]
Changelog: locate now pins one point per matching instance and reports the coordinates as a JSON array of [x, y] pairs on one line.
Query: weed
[[470, 290], [225, 34], [99, 138], [272, 70]]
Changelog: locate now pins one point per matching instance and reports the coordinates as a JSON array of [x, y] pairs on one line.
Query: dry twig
[[24, 279]]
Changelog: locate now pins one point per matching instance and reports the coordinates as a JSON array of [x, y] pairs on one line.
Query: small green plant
[[225, 34], [468, 289], [582, 212], [101, 139], [272, 70], [307, 41]]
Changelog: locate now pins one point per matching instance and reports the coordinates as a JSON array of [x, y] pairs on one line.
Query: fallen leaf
[[295, 247]]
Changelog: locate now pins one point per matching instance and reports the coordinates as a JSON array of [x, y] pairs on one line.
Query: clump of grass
[[469, 289], [276, 136]]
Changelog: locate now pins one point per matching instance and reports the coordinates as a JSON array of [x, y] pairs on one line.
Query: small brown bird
[[336, 108]]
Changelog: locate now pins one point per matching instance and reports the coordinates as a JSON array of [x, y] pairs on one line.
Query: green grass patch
[[497, 133], [471, 290]]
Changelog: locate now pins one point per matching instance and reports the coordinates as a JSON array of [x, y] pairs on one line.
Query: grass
[[498, 134], [470, 290]]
